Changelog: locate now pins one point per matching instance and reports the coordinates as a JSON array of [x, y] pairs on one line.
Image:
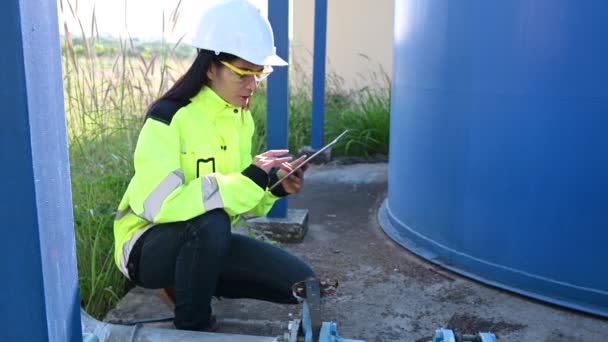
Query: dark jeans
[[201, 258]]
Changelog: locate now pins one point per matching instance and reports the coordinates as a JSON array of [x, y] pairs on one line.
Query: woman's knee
[[302, 271], [308, 271]]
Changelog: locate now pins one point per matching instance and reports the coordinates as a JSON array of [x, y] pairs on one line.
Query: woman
[[194, 176]]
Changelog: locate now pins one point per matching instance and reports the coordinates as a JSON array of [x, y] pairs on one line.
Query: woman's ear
[[211, 72]]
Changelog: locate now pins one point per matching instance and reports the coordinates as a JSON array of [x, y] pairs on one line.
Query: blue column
[[318, 76], [39, 298], [278, 90]]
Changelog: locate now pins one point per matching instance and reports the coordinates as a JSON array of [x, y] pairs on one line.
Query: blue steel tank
[[498, 165]]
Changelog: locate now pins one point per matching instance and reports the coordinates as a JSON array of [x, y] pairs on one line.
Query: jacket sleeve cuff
[[279, 190], [257, 175]]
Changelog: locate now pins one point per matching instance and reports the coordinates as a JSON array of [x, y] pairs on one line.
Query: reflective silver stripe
[[155, 200], [212, 199], [122, 214], [127, 247]]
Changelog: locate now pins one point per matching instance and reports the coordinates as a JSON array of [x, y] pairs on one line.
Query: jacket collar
[[207, 101]]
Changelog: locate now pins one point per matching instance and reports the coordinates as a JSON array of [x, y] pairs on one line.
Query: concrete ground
[[386, 293]]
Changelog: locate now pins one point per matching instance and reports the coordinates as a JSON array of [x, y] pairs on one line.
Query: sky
[[140, 18]]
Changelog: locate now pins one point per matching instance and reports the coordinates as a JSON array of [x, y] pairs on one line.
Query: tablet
[[333, 142]]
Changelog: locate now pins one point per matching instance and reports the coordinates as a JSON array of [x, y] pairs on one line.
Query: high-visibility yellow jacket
[[190, 158]]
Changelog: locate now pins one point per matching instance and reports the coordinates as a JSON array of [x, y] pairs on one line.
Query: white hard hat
[[237, 27]]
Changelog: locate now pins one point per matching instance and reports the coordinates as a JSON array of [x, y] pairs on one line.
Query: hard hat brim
[[273, 61]]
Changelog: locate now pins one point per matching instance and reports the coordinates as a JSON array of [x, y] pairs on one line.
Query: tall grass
[[364, 111], [105, 99]]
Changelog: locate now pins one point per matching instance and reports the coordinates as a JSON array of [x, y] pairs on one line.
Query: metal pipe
[[107, 332]]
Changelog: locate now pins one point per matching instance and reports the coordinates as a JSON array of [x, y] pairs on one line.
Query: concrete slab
[[143, 306], [290, 229], [387, 293]]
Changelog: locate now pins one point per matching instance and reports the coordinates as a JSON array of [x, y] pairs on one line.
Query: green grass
[[100, 170], [364, 112], [106, 96]]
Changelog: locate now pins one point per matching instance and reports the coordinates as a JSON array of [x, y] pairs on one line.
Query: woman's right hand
[[271, 159]]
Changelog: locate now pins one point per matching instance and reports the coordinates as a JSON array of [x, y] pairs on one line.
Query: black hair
[[191, 82]]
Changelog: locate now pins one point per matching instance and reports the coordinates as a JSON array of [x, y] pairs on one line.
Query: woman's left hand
[[294, 183]]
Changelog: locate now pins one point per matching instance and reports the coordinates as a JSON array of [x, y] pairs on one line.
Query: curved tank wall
[[499, 143]]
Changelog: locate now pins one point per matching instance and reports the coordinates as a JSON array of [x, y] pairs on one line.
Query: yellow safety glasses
[[241, 75]]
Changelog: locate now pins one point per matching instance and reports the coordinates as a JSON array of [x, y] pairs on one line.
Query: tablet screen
[[333, 142]]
